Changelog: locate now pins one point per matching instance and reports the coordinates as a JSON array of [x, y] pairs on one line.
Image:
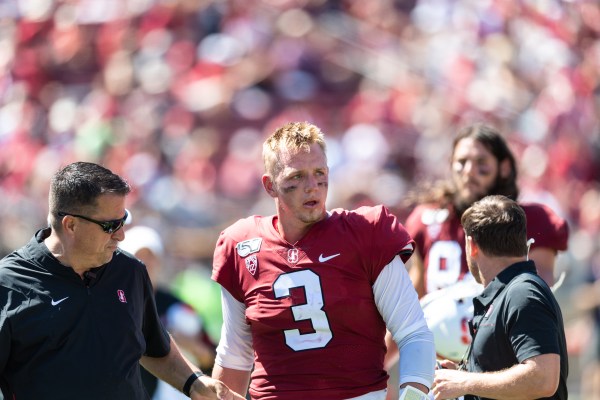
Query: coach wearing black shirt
[[519, 348], [77, 315]]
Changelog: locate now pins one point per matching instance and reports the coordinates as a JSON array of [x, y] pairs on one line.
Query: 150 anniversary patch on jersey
[[248, 246]]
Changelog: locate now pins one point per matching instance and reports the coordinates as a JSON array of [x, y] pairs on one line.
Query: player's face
[[474, 170], [92, 246], [301, 186]]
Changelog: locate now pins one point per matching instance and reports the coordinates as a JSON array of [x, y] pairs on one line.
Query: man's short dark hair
[[498, 226], [76, 187]]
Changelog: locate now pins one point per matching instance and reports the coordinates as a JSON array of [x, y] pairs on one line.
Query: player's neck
[[289, 232]]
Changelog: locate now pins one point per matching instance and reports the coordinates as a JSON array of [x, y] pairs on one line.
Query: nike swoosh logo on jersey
[[58, 301], [323, 259]]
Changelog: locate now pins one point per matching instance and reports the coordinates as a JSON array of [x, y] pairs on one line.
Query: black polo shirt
[[65, 338], [517, 317]]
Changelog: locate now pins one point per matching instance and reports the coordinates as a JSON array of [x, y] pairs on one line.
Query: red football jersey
[[440, 240], [316, 331]]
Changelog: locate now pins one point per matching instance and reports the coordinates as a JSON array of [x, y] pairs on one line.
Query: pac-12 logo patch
[[248, 246], [121, 296], [251, 264]]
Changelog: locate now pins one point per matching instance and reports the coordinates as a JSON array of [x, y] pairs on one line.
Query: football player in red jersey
[[482, 164], [308, 293]]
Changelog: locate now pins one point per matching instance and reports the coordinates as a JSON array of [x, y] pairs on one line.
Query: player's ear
[[505, 168], [269, 186]]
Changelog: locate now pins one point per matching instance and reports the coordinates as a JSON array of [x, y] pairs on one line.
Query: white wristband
[[411, 393]]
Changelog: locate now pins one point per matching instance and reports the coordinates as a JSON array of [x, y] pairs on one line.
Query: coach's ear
[[471, 247], [68, 224], [269, 186]]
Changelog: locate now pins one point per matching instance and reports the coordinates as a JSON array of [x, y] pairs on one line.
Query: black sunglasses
[[107, 226]]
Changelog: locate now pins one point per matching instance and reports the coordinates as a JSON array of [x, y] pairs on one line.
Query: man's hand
[[447, 364], [449, 383], [207, 388]]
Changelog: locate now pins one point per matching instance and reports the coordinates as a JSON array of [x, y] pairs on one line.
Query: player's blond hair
[[295, 136]]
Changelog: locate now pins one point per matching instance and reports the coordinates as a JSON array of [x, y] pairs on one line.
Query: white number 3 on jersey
[[312, 309]]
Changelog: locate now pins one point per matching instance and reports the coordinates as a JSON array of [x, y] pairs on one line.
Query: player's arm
[[399, 306], [185, 327], [415, 264], [202, 353], [416, 272], [238, 380], [175, 369], [235, 355], [534, 378], [544, 258], [415, 269]]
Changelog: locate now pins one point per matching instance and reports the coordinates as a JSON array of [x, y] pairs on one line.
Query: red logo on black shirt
[[121, 295]]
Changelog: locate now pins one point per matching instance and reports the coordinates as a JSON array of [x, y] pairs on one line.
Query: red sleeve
[[546, 227], [405, 245], [387, 236], [416, 228], [225, 269]]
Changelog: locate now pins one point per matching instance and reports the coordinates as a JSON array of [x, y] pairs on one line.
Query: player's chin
[[470, 196], [313, 215]]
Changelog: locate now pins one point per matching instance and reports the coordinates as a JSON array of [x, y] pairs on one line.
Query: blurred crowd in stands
[[178, 95]]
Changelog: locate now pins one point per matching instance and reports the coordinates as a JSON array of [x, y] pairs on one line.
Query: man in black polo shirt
[[519, 348], [77, 315]]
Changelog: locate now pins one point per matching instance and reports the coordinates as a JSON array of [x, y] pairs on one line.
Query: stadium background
[[177, 95]]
